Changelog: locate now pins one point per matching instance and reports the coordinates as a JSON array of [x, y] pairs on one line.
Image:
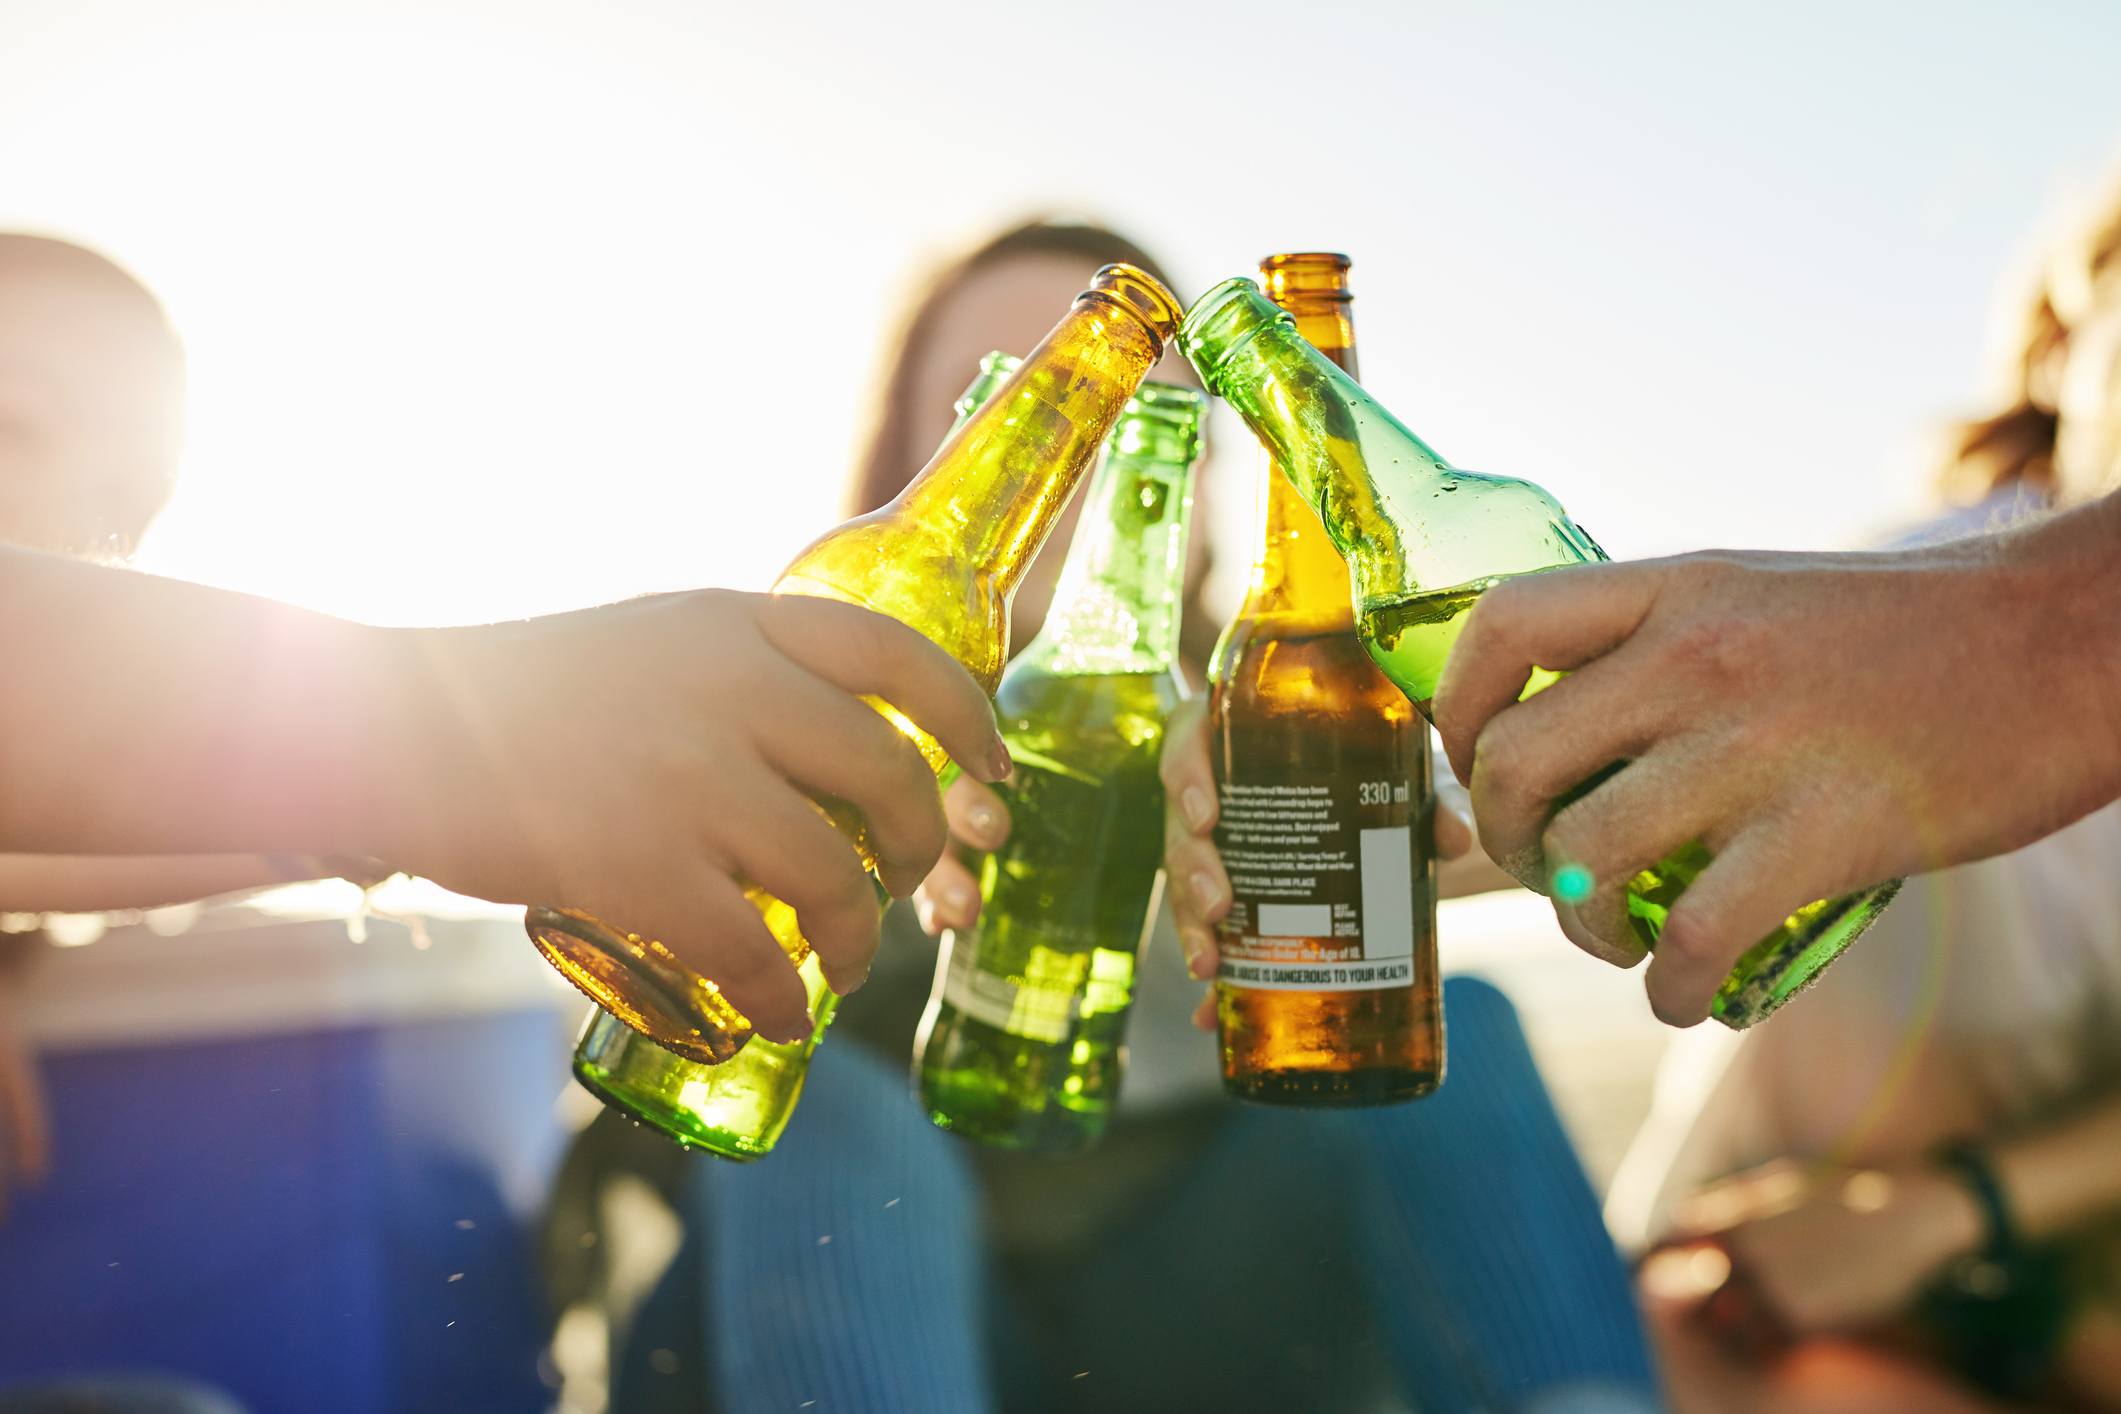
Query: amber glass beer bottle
[[1328, 993], [1423, 541], [944, 557]]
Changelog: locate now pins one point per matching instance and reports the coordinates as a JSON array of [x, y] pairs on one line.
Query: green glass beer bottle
[[1422, 541], [944, 557], [1328, 992], [1022, 1043]]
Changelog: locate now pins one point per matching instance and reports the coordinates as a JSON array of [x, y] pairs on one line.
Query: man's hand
[[1820, 722], [639, 762]]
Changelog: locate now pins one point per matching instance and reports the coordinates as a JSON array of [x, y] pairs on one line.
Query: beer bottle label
[[1039, 1005], [1322, 878]]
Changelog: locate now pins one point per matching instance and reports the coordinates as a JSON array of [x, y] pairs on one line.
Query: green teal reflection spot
[[1573, 883]]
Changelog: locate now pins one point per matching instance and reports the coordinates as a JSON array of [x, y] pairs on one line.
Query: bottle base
[[1790, 960], [988, 1116], [1333, 1089], [736, 1110], [679, 1125]]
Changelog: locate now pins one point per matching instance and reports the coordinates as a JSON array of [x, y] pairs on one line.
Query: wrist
[[416, 746], [1973, 1213], [2067, 570]]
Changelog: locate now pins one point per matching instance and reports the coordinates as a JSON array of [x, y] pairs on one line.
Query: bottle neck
[[1321, 428], [946, 554], [998, 483], [1296, 571], [1121, 593]]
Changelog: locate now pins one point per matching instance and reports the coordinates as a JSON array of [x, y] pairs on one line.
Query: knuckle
[[1722, 651], [1502, 763], [1193, 855], [1498, 611], [1184, 761], [1691, 939]]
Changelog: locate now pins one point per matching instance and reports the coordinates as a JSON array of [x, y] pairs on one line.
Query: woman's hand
[[1837, 1250], [978, 819], [1198, 887]]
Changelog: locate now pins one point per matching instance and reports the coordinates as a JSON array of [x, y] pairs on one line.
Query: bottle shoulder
[[1260, 671], [902, 570]]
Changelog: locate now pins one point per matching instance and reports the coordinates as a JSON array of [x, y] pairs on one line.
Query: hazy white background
[[500, 307]]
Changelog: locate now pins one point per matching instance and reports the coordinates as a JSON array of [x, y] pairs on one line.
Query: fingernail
[[1206, 892], [1617, 954], [1196, 956], [1572, 883], [985, 822], [999, 763], [959, 897], [1193, 803]]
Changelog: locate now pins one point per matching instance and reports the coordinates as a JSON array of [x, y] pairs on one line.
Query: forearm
[[75, 883], [2061, 1179], [143, 716], [2065, 572]]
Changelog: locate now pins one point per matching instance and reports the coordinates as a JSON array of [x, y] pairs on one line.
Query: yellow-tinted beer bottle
[[1328, 993], [944, 557]]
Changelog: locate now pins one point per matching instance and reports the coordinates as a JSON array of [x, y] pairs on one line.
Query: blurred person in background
[[160, 726], [1205, 1254], [91, 422], [1906, 1192]]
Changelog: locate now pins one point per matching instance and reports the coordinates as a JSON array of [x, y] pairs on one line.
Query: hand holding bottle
[[686, 761], [978, 819], [1200, 888], [1818, 722]]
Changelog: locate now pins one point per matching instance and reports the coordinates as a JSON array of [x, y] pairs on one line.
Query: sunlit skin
[[91, 418], [1834, 1250], [360, 742], [1800, 714]]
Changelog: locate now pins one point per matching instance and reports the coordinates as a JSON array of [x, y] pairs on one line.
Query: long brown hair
[[2014, 446], [889, 456]]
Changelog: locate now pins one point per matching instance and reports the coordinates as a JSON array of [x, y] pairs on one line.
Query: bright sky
[[500, 307]]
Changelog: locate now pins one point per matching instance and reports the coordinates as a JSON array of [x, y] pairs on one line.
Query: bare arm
[[88, 883], [1820, 722], [2065, 1178], [638, 761], [1834, 1249]]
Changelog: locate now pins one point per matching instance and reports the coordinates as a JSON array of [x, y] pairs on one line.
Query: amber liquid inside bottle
[[1319, 759]]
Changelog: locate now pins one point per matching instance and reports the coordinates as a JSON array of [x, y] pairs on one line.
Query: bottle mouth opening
[[1221, 322], [1142, 294], [1161, 420], [1306, 275]]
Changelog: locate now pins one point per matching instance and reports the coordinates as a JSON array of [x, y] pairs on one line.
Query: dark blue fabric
[[1488, 1248], [844, 1272], [283, 1216], [1458, 1235]]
